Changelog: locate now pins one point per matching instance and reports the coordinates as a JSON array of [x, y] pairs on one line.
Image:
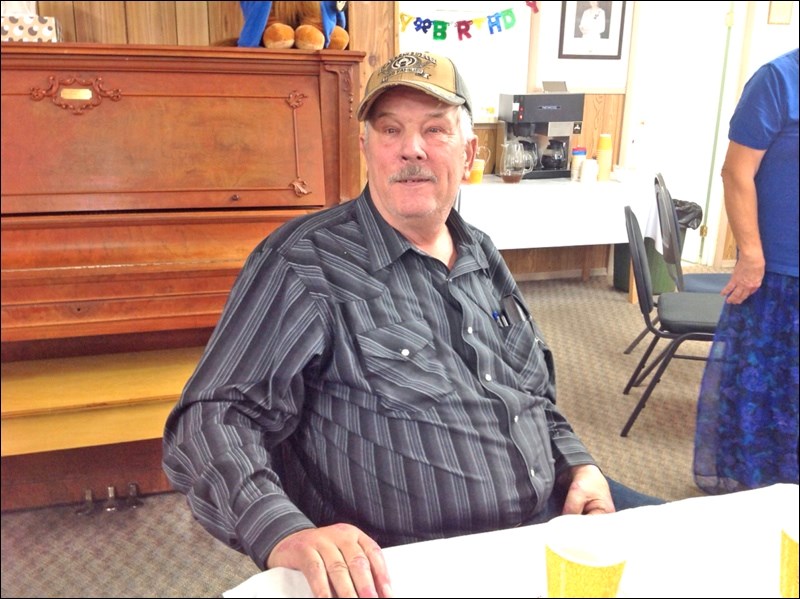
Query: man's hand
[[337, 561], [588, 492]]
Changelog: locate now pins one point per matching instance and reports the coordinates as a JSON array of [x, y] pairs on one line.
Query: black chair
[[680, 317], [672, 246], [671, 251]]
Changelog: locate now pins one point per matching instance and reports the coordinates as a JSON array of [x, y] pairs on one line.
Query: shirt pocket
[[526, 352], [402, 367]]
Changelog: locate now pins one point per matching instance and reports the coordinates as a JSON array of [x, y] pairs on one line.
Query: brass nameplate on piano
[[73, 93]]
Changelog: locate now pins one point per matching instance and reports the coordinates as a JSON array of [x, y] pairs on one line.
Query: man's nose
[[413, 147]]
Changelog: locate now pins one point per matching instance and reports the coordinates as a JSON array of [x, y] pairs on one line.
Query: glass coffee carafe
[[517, 162], [554, 156]]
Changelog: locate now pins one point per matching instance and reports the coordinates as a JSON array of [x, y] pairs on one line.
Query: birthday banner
[[495, 23]]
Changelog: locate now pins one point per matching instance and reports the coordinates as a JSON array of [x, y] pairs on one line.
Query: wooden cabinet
[[136, 179]]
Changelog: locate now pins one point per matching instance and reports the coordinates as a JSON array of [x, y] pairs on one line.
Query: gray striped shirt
[[353, 378]]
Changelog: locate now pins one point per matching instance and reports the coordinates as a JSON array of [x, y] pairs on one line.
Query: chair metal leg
[[636, 341], [642, 362], [665, 359], [655, 362], [639, 338]]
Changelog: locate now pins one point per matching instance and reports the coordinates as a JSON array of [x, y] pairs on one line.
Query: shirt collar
[[386, 244]]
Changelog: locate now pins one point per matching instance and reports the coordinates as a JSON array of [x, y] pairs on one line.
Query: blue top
[[767, 118]]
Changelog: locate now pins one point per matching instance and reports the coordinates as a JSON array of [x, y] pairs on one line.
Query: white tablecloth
[[539, 213], [725, 546]]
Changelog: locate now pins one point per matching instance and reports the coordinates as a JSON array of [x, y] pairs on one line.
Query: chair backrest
[[641, 269], [670, 234]]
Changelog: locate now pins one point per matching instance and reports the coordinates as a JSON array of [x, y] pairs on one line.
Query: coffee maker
[[544, 123]]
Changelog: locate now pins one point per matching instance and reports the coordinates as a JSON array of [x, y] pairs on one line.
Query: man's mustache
[[413, 171]]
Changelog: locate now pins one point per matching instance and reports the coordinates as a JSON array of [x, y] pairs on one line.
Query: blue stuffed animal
[[303, 25]]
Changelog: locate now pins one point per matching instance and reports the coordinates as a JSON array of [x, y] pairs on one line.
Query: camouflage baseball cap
[[435, 75]]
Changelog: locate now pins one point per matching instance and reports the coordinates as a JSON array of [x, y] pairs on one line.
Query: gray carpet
[[157, 550]]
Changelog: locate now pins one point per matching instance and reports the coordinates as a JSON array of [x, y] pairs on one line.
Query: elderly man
[[375, 378]]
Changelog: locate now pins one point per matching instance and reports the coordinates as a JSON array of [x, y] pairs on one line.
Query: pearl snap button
[[405, 352], [488, 377]]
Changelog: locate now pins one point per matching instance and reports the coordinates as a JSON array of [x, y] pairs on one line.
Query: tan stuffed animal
[[303, 25], [300, 25]]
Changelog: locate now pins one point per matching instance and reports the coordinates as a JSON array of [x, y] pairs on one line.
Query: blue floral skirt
[[747, 412]]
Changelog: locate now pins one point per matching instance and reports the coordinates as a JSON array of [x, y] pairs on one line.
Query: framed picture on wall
[[591, 30]]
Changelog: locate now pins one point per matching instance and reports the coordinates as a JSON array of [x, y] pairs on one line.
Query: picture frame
[[780, 13], [592, 30]]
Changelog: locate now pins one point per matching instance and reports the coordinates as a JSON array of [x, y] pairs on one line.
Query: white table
[[540, 213], [724, 546]]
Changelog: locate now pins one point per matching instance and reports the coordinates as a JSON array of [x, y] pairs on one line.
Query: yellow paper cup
[[789, 564], [582, 558], [476, 174]]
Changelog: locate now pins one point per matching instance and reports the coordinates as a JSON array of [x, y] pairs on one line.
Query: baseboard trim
[[573, 273]]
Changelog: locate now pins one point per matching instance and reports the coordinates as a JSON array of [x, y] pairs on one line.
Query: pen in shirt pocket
[[512, 309], [516, 312], [500, 318]]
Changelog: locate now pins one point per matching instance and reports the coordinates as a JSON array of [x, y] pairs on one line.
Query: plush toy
[[303, 25]]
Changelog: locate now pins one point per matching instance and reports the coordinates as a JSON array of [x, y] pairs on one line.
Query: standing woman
[[747, 419]]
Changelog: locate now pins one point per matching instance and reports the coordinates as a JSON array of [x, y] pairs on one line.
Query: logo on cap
[[407, 63]]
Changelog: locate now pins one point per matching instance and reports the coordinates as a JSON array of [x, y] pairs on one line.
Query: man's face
[[416, 157]]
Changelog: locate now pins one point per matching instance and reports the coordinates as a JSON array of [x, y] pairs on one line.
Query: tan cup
[[789, 564], [476, 174], [582, 560]]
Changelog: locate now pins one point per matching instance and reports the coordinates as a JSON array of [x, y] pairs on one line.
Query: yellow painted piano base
[[66, 403]]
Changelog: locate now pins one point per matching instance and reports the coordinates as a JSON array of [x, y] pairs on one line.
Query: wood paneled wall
[[159, 23], [602, 113], [729, 248]]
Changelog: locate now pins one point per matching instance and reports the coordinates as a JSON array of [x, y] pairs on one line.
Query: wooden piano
[[136, 180]]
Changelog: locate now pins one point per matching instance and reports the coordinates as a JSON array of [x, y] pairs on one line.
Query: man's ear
[[470, 152], [362, 139]]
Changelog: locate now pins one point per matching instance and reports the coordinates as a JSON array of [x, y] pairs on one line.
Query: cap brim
[[430, 89]]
